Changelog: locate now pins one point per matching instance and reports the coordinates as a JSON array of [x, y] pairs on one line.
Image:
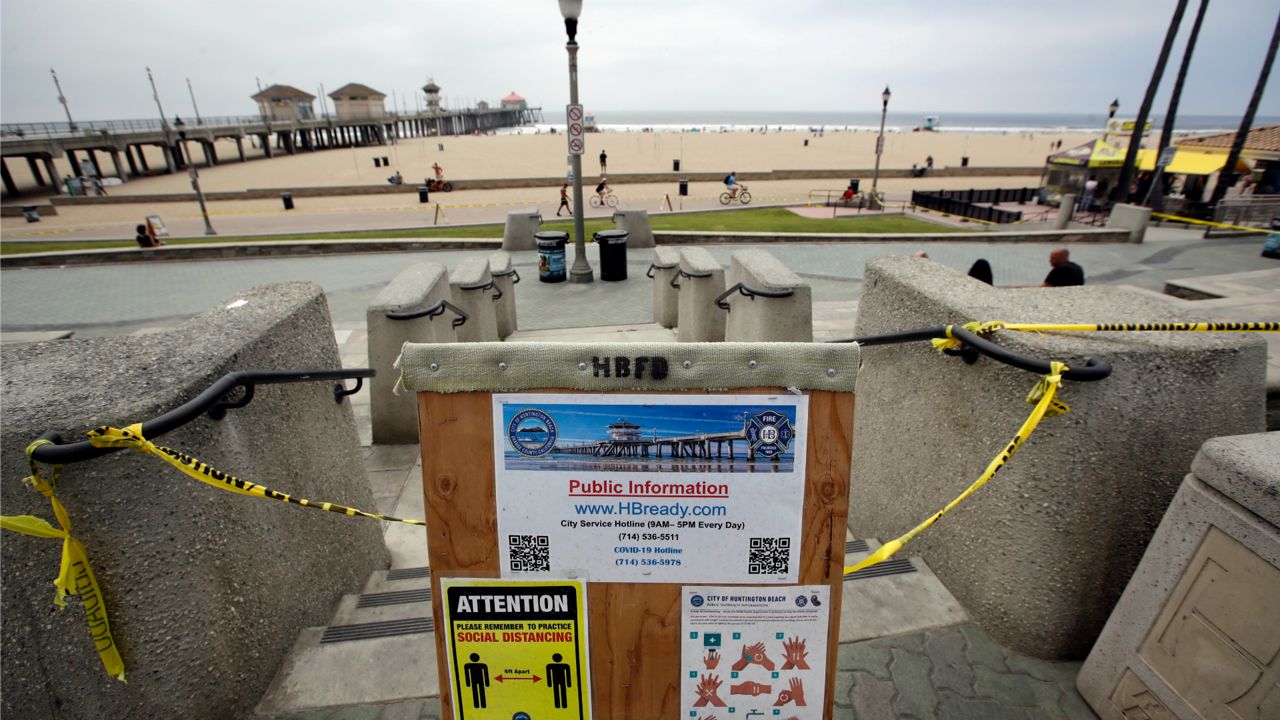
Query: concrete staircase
[[378, 651]]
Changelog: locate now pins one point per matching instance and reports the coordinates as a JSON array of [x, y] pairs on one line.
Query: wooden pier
[[701, 445]]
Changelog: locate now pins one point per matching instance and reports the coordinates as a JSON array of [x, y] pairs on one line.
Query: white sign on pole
[[650, 488], [879, 144], [754, 652], [1166, 157], [576, 141]]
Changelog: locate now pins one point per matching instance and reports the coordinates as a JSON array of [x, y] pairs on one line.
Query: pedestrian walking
[[564, 200]]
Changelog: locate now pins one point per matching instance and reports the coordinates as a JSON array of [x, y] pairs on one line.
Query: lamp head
[[885, 95], [571, 9], [1115, 105]]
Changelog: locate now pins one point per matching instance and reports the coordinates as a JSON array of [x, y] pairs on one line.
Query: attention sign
[[517, 649]]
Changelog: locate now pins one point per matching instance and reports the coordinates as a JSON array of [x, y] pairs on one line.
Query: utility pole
[[62, 99]]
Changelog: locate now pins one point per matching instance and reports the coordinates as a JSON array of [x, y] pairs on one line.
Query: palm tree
[[1227, 176], [1121, 189], [1166, 135]]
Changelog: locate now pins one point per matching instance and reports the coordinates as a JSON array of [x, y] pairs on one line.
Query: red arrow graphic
[[501, 678]]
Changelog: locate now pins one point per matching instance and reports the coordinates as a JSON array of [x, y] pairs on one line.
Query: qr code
[[769, 556], [530, 553]]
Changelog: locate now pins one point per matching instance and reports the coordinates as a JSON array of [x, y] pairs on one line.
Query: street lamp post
[[581, 271], [875, 178], [63, 99], [194, 176], [193, 102]]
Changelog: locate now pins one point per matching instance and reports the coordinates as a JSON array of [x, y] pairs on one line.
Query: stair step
[[318, 675], [856, 546], [383, 629], [395, 597], [896, 566], [379, 582], [408, 573]]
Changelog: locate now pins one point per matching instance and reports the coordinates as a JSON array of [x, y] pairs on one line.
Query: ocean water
[[791, 121]]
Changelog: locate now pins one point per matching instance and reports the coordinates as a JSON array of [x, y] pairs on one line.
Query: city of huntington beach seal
[[770, 433], [532, 432]]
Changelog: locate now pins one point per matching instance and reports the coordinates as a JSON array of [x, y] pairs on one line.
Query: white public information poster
[[754, 652], [650, 488]]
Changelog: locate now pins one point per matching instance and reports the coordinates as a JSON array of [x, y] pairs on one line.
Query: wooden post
[[634, 627]]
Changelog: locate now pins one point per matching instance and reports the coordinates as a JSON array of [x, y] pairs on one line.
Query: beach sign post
[[697, 492], [577, 142]]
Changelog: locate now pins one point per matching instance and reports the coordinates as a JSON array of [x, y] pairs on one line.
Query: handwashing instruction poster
[[754, 652], [650, 488]]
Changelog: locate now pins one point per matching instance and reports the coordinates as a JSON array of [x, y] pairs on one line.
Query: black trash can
[[853, 185], [287, 199], [377, 162], [964, 161], [551, 262], [31, 213], [385, 162], [423, 194], [613, 254], [684, 188], [675, 165]]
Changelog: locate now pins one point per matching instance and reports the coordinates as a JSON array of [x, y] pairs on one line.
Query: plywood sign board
[[745, 489]]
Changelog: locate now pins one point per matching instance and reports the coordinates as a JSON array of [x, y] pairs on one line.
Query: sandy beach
[[544, 155]]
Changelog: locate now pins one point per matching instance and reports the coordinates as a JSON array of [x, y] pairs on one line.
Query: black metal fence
[[964, 202]]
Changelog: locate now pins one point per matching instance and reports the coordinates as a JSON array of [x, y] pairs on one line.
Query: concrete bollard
[[1066, 210], [636, 222], [505, 278], [1134, 218], [1202, 603], [417, 287], [756, 317], [666, 299], [473, 290], [1041, 557], [700, 279], [521, 225]]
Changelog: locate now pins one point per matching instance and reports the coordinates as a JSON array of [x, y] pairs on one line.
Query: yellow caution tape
[[1193, 221], [1232, 326], [75, 576], [131, 437], [1043, 395]]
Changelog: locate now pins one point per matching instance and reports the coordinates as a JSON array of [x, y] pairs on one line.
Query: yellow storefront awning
[[1186, 162]]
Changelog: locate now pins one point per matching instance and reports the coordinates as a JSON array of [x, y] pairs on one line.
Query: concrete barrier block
[[701, 279], [758, 318], [1041, 554], [417, 287], [1203, 602], [1066, 211], [505, 279], [636, 222], [666, 299], [1134, 218], [474, 291], [521, 225], [192, 575]]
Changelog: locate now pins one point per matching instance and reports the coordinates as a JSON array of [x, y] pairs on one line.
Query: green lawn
[[754, 220]]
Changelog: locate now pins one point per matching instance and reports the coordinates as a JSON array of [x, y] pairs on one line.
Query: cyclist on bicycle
[[731, 183], [603, 188]]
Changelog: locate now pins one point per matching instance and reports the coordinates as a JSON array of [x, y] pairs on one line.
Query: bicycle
[[609, 199], [742, 195]]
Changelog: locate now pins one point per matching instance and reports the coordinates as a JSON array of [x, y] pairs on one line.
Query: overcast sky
[[827, 55]]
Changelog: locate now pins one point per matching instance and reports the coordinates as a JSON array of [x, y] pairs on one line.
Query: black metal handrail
[[512, 271], [214, 401], [748, 291], [682, 273], [497, 291], [655, 266], [431, 312], [972, 344]]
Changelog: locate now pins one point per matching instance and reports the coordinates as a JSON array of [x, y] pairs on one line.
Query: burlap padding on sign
[[501, 366]]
